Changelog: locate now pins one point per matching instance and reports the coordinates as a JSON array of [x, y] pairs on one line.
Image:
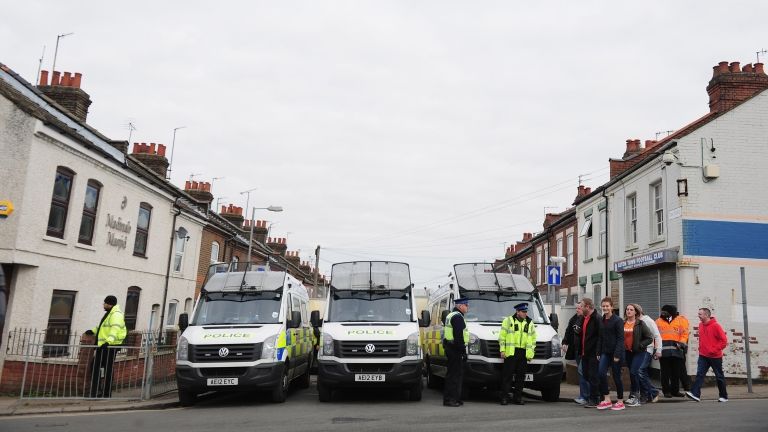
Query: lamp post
[[250, 239]]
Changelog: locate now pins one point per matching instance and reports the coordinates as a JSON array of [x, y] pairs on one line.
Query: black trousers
[[589, 368], [515, 367], [673, 371], [454, 377], [103, 362]]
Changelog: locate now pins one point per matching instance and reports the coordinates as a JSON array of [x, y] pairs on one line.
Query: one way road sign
[[553, 275]]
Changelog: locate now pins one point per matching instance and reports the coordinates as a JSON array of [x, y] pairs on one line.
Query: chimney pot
[[77, 79], [759, 68], [152, 148], [722, 67], [735, 67], [187, 185], [55, 79], [747, 68], [161, 150], [65, 80], [43, 78], [223, 209]]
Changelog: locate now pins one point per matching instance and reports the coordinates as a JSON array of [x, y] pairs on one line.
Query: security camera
[[668, 158]]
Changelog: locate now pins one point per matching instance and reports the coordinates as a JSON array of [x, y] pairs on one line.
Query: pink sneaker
[[618, 406], [604, 405]]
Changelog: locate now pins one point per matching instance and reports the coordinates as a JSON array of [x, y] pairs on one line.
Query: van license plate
[[369, 377], [222, 381]]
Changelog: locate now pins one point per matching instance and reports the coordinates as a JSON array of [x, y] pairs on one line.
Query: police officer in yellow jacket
[[517, 344], [110, 332], [455, 339]]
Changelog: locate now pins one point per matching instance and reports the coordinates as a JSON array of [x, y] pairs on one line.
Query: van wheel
[[304, 380], [414, 393], [280, 392], [187, 398], [433, 381], [551, 394], [324, 392]]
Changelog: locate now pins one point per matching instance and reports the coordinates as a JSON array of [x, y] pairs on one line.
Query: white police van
[[492, 296], [370, 334], [249, 331]]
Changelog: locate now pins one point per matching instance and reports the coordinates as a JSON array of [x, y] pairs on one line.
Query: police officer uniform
[[517, 345], [455, 339]]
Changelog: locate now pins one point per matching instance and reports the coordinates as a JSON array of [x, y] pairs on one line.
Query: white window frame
[[588, 238], [539, 267], [215, 256], [559, 243], [170, 318], [178, 253], [569, 256], [632, 220], [603, 234], [657, 211]]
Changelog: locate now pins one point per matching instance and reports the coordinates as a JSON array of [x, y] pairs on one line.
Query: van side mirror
[[183, 322], [443, 316], [314, 318], [425, 319], [554, 321], [295, 321]]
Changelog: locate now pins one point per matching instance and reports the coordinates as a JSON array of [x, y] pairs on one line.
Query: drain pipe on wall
[[607, 245], [161, 335]]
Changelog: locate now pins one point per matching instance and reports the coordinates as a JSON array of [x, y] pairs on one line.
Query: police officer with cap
[[517, 344], [455, 339]]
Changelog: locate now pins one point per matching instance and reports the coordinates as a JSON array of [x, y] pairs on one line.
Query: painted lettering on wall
[[118, 224], [118, 239]]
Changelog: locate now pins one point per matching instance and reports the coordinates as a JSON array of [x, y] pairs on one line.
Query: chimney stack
[[278, 245], [233, 214], [200, 191], [731, 85], [260, 231], [65, 90], [153, 156]]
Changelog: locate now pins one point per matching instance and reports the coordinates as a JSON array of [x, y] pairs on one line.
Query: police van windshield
[[238, 307], [488, 306], [370, 306]]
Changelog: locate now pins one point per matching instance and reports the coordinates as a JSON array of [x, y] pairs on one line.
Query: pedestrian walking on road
[[590, 338], [674, 336], [110, 333], [572, 346], [611, 354], [649, 393], [712, 342], [517, 345], [455, 339], [637, 338]]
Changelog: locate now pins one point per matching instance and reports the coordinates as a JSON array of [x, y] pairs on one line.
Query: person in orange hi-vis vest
[[674, 329]]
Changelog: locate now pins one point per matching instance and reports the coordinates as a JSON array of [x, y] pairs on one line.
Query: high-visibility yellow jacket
[[448, 330], [517, 334], [112, 329]]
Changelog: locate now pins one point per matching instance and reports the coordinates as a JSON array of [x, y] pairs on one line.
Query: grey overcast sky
[[430, 132]]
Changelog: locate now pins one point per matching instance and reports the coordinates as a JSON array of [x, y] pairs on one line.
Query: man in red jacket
[[712, 342]]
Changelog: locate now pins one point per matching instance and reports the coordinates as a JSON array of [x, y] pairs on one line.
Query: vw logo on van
[[223, 352], [370, 348]]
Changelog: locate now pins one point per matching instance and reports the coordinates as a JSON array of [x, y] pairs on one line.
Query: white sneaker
[[580, 401], [691, 396], [722, 399]]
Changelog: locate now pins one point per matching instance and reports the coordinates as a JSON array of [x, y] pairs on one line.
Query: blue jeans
[[606, 361], [702, 367], [638, 374], [583, 383]]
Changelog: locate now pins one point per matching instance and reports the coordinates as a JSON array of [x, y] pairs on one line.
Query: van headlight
[[474, 344], [412, 344], [556, 347], [268, 347], [327, 348], [182, 349]]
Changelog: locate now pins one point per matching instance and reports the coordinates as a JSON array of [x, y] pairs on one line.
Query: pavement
[[13, 406]]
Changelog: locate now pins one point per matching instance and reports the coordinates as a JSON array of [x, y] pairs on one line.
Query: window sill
[[55, 240], [657, 241], [588, 260], [140, 256], [632, 248], [85, 246]]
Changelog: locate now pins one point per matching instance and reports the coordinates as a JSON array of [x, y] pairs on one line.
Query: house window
[[188, 306], [59, 324], [539, 266], [586, 231], [560, 246], [90, 206], [632, 220], [142, 230], [62, 188], [178, 249], [569, 257], [603, 233], [132, 307], [658, 211], [171, 318], [214, 252]]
